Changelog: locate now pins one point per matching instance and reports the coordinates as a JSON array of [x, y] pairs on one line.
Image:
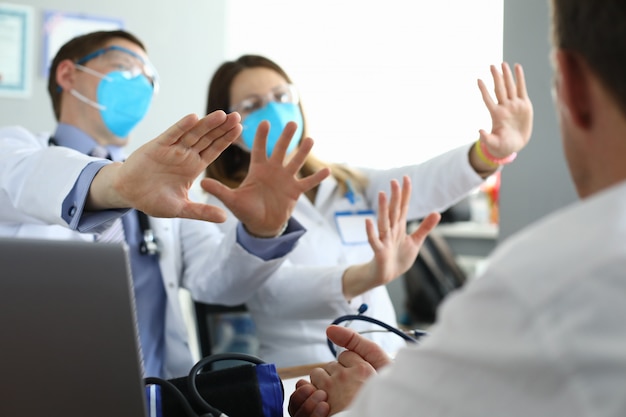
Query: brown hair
[[231, 166], [77, 48], [595, 30]]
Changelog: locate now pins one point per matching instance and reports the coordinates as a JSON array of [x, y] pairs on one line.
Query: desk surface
[[471, 230], [290, 387]]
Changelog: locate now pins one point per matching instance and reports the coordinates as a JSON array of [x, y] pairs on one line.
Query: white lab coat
[[540, 333], [293, 308], [34, 180]]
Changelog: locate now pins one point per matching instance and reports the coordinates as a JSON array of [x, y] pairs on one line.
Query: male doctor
[[101, 85]]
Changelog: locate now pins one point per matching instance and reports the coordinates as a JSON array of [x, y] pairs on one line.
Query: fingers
[[351, 340], [177, 130], [406, 198], [297, 160], [521, 82], [394, 205], [393, 213], [509, 82], [280, 148], [491, 105], [307, 400], [372, 237], [213, 139], [208, 136], [498, 84], [258, 153], [388, 213], [383, 213], [201, 127], [506, 86]]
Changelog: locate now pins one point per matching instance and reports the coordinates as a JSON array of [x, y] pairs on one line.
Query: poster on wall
[[59, 27], [16, 50]]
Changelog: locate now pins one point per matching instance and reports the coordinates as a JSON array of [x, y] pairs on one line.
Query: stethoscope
[[411, 336], [149, 244], [193, 397]]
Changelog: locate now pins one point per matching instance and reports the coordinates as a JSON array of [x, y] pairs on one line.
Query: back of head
[[595, 30], [77, 48]]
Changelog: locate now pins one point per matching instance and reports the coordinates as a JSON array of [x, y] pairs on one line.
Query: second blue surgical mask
[[278, 114]]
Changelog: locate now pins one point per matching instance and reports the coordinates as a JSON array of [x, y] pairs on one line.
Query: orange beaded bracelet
[[484, 154]]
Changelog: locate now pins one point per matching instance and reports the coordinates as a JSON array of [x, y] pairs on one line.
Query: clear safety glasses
[[285, 93], [124, 60]]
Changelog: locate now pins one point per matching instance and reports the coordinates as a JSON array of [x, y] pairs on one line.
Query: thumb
[[425, 227], [354, 342], [205, 212], [488, 138], [217, 189]]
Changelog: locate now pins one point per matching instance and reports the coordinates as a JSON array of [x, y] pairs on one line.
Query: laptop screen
[[69, 342]]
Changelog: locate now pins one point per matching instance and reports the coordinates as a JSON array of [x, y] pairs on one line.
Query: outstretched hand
[[156, 178], [511, 115], [333, 387], [394, 250], [265, 199]]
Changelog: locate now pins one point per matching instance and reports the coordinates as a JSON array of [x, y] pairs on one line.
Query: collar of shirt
[[74, 138]]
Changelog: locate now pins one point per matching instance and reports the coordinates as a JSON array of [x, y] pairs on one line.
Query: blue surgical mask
[[123, 101], [278, 114]]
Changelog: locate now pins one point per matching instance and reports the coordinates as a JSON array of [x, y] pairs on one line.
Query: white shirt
[[541, 333], [293, 308]]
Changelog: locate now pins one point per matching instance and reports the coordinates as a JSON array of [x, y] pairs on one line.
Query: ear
[[573, 88], [65, 74]]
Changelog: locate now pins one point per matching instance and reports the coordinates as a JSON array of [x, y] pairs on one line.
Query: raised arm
[[156, 178], [267, 196], [511, 120], [394, 250]]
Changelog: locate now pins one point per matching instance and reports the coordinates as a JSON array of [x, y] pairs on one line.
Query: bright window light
[[385, 83]]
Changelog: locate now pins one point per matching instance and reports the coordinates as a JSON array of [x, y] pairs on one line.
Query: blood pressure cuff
[[249, 390]]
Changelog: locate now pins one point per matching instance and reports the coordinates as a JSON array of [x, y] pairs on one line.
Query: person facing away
[[101, 85], [291, 311], [541, 333]]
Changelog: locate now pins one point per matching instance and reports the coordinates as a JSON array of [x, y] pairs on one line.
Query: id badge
[[351, 226]]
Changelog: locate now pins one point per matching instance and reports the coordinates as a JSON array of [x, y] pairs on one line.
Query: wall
[[185, 45], [538, 182], [395, 78]]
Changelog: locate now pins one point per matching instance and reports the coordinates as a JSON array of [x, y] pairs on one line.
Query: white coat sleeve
[[437, 183], [290, 284], [35, 178], [217, 269]]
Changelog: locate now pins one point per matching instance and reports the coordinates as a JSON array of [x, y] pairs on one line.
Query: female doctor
[[315, 286]]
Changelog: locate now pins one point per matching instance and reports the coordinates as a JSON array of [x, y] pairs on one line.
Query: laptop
[[69, 343]]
